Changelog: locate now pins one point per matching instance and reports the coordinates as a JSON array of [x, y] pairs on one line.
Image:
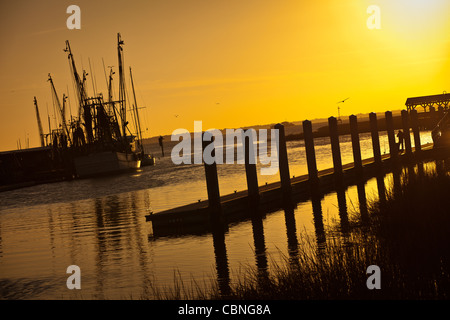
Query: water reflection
[[113, 230], [343, 214], [381, 189], [447, 165], [316, 199], [140, 242], [1, 246], [220, 254], [291, 232], [411, 171], [362, 199], [420, 170], [260, 247], [101, 225], [51, 230], [396, 177], [101, 246], [442, 166]]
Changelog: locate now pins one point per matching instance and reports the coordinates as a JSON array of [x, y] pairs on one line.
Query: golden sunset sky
[[229, 63]]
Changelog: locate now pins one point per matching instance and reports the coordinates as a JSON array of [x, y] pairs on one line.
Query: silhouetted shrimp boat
[[99, 140]]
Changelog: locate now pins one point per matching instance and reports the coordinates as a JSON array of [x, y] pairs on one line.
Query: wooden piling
[[375, 137], [416, 130], [283, 165], [335, 148], [393, 149], [406, 132], [250, 171], [212, 183], [355, 144], [310, 151]]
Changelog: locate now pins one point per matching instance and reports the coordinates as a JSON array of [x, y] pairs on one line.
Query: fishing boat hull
[[102, 163]]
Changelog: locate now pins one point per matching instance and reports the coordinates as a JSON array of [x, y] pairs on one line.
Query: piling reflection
[[411, 172], [440, 169], [396, 177], [381, 189], [420, 170], [447, 165], [220, 254], [362, 199], [316, 199], [260, 247], [442, 166], [291, 232], [343, 214]]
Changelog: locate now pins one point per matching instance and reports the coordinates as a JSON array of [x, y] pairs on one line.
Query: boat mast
[[41, 131], [136, 113], [122, 92], [110, 94], [60, 108], [81, 91], [82, 96]]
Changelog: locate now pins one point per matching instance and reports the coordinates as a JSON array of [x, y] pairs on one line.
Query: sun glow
[[230, 64], [418, 17]]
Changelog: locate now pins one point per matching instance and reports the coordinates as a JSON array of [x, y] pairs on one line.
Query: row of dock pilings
[[409, 122]]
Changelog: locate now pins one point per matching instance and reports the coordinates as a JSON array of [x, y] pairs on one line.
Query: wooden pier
[[286, 193]]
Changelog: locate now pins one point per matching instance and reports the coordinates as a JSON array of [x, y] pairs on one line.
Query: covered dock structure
[[439, 100]]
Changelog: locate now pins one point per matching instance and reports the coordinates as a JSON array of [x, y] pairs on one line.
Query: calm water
[[99, 225]]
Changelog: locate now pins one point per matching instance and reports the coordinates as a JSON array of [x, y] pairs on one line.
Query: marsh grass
[[407, 236]]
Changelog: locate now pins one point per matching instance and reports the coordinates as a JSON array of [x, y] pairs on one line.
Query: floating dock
[[291, 190], [196, 217]]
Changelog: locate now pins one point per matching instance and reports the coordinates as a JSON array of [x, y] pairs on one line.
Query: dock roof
[[441, 100]]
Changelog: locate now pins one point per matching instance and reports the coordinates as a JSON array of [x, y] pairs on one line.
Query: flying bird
[[344, 100]]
